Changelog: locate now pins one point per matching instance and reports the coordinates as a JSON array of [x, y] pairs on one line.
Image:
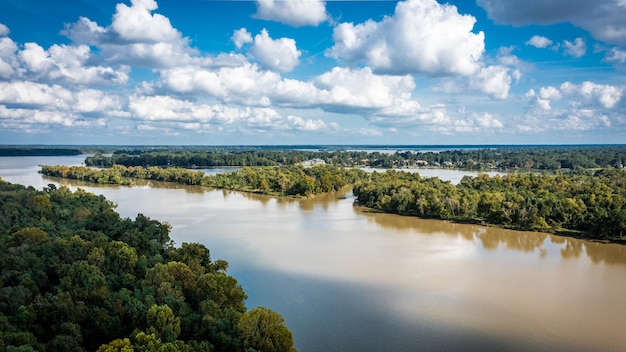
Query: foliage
[[594, 205], [77, 277], [37, 151], [262, 329], [283, 180], [497, 157]]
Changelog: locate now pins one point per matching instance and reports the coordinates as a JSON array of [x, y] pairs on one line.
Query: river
[[347, 279]]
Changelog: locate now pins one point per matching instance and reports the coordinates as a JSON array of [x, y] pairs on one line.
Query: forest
[[38, 151], [586, 206], [548, 158], [280, 181], [78, 277]]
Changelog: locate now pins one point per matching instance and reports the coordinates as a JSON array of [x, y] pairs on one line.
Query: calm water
[[346, 279]]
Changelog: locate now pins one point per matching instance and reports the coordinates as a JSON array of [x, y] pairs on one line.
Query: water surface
[[348, 279]]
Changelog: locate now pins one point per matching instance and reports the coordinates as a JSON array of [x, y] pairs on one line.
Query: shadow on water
[[328, 315]]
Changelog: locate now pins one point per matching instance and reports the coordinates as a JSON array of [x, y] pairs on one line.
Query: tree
[[262, 329], [163, 323]]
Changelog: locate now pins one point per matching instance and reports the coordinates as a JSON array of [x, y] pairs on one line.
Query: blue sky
[[312, 72]]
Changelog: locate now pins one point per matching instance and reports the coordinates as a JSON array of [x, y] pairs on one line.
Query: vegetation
[[77, 277], [38, 151], [592, 205], [283, 181], [583, 193], [528, 157]]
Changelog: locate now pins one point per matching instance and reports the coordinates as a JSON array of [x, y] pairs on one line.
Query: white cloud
[[36, 108], [137, 24], [213, 117], [32, 95], [421, 37], [604, 19], [158, 108], [135, 36], [486, 121], [607, 96], [361, 88], [338, 90], [300, 124], [294, 13], [91, 100], [240, 37], [4, 30], [539, 41], [67, 64], [85, 31], [493, 80], [616, 56], [545, 97], [577, 107], [576, 49], [29, 93], [8, 58], [276, 54], [549, 93]]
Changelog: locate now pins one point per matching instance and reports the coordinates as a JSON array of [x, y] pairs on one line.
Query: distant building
[[311, 162]]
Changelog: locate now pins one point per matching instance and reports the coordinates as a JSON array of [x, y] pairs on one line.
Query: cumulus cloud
[[240, 37], [542, 100], [422, 36], [485, 121], [35, 107], [137, 24], [337, 90], [604, 19], [605, 95], [577, 107], [4, 30], [493, 80], [136, 36], [65, 63], [294, 13], [276, 54], [8, 58], [539, 41], [576, 49], [217, 117], [30, 94], [361, 88]]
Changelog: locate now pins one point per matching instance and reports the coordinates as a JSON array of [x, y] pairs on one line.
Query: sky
[[205, 72]]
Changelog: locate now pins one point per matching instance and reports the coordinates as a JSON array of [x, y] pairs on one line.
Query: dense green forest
[[38, 151], [589, 206], [535, 158], [282, 181], [77, 277]]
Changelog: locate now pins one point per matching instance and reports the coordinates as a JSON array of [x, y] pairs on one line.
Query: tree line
[[589, 206], [281, 181], [535, 158], [38, 151], [77, 277]]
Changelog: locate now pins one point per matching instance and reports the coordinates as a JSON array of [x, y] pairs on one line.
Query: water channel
[[347, 279]]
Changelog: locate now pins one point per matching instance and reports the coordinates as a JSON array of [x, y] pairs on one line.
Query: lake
[[347, 279]]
